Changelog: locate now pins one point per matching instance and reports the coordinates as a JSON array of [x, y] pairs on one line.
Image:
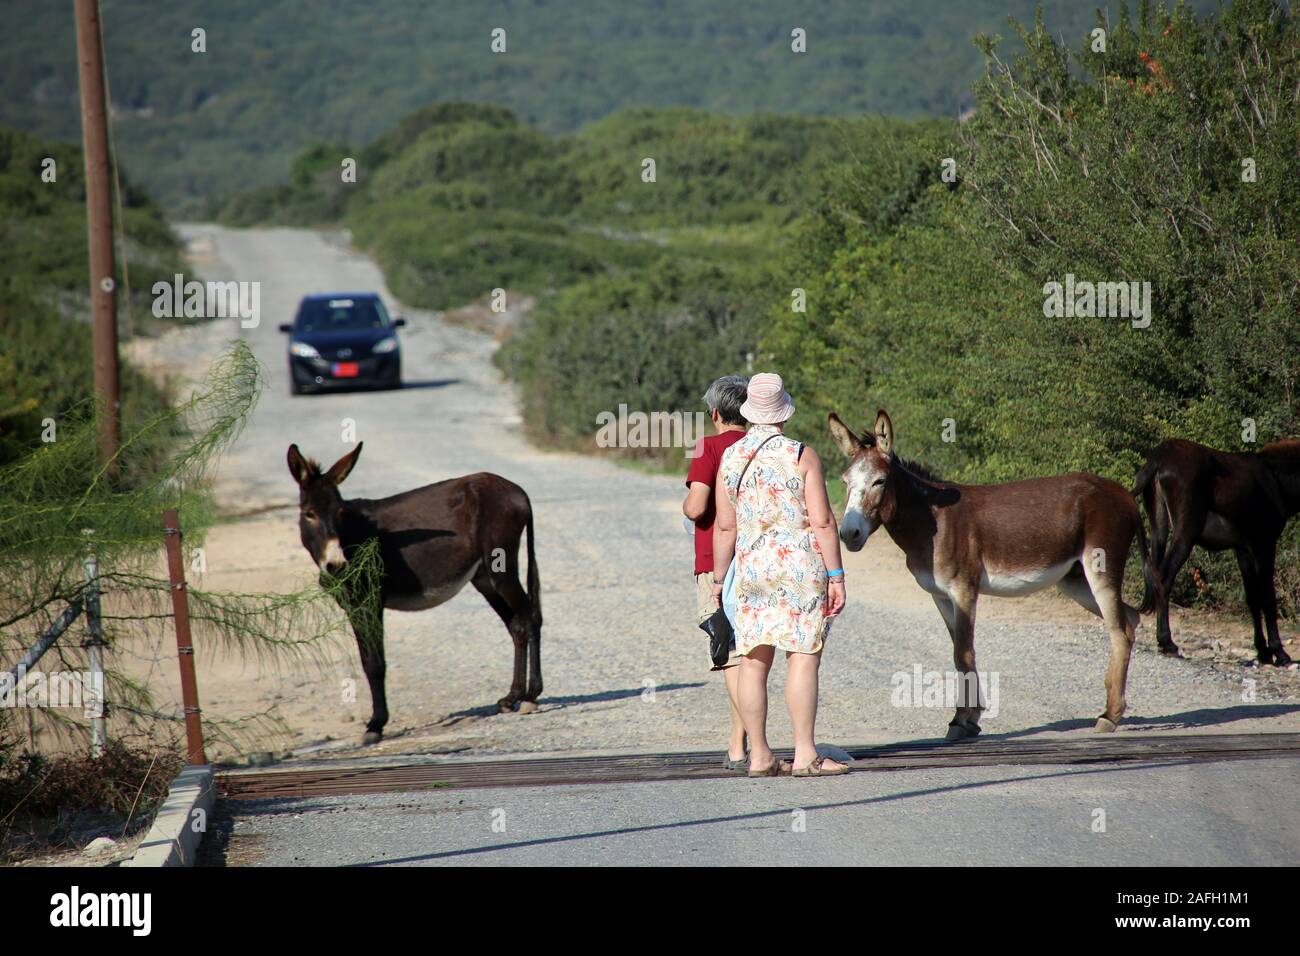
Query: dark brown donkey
[[432, 542], [1007, 540], [1220, 500]]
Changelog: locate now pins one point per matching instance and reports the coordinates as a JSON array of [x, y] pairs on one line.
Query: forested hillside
[[279, 74]]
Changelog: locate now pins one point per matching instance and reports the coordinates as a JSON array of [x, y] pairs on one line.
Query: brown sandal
[[778, 767], [815, 769]]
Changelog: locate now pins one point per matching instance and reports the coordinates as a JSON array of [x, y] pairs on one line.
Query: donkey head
[[868, 479], [320, 506]]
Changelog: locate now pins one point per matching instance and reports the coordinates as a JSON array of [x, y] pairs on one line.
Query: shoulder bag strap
[[751, 461]]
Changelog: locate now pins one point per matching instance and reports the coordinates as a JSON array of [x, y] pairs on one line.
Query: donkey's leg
[[956, 730], [534, 688], [1160, 528], [489, 585], [369, 630], [1250, 584], [945, 610], [1179, 550], [523, 630], [966, 722], [1121, 623], [1265, 558], [1188, 516], [524, 619]]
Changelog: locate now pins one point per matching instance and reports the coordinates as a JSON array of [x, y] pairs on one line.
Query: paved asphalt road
[[1230, 813]]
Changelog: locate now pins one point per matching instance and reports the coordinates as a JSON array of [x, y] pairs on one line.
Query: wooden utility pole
[[99, 221]]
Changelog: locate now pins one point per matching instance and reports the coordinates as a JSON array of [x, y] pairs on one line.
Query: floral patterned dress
[[780, 575]]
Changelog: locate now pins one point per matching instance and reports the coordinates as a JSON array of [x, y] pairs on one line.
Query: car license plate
[[346, 370]]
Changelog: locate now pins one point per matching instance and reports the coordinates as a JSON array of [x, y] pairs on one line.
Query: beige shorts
[[704, 608]]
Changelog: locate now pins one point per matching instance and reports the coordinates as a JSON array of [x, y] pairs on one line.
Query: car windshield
[[341, 315]]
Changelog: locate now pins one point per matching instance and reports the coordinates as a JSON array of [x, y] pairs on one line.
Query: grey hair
[[726, 395]]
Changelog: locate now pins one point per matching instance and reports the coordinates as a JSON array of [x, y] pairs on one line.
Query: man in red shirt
[[724, 398]]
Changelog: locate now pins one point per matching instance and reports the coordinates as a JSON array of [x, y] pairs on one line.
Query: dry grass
[[53, 804]]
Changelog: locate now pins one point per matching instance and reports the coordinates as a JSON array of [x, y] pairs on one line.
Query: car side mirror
[[286, 327], [399, 322]]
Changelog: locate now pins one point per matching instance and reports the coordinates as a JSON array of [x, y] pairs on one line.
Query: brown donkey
[[1220, 500], [432, 542], [1007, 540]]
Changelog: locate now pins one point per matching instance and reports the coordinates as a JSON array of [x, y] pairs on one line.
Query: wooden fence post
[[184, 648]]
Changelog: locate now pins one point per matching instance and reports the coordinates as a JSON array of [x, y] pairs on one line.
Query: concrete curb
[[174, 840]]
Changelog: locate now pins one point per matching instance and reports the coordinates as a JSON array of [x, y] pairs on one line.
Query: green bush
[[651, 339], [46, 371]]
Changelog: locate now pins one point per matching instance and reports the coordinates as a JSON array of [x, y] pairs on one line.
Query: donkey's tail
[[534, 579], [1151, 586]]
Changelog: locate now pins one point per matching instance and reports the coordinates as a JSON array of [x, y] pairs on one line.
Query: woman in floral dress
[[774, 515]]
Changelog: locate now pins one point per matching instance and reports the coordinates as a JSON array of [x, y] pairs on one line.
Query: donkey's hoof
[[1170, 650], [1279, 658], [371, 737], [1105, 726], [528, 707], [505, 705], [962, 731]]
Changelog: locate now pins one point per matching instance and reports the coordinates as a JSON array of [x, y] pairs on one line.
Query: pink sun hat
[[767, 402]]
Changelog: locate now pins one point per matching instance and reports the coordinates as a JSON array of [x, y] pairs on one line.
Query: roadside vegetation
[[60, 802], [45, 361]]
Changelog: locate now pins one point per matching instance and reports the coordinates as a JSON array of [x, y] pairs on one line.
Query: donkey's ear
[[343, 467], [884, 432], [298, 466], [848, 442]]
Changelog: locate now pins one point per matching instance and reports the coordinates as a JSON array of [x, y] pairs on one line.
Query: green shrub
[[650, 339]]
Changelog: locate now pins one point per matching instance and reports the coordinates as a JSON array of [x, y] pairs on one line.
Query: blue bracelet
[[835, 574]]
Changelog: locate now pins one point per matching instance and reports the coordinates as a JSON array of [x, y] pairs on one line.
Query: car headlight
[[302, 350], [384, 346]]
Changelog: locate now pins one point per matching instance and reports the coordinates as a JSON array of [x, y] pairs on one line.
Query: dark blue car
[[343, 339]]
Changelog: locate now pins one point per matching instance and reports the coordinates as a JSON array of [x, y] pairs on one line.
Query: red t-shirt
[[704, 469]]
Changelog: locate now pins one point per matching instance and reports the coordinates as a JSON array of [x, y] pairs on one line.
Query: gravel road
[[622, 659]]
